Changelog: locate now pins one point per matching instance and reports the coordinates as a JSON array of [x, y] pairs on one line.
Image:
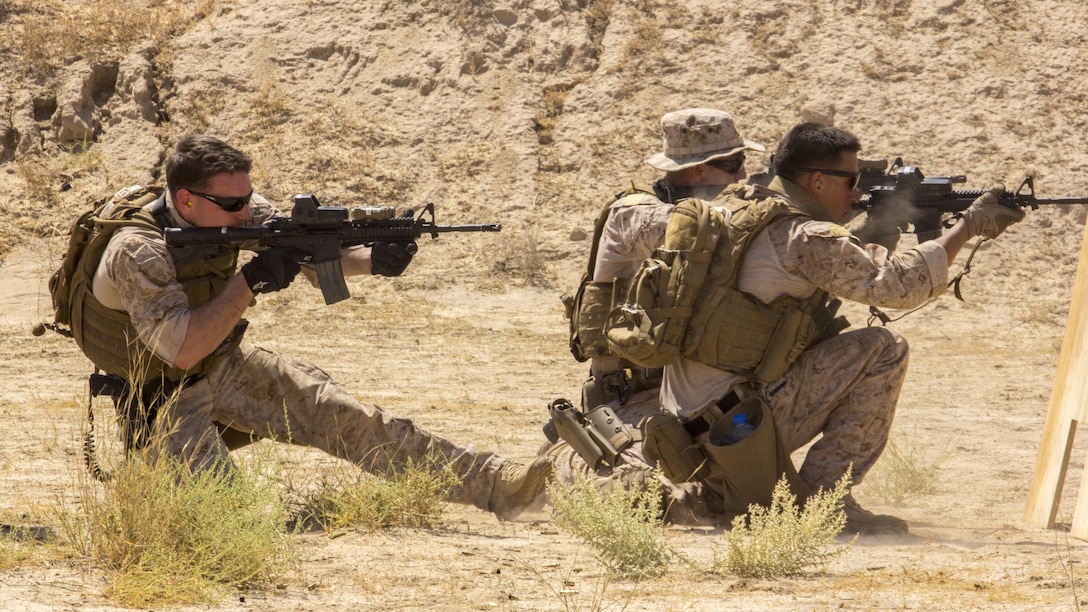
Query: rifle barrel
[[481, 227], [1045, 201]]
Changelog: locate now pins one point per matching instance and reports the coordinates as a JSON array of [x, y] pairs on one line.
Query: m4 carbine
[[322, 231], [918, 204]]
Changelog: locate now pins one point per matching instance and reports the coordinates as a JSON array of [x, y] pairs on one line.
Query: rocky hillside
[[531, 111]]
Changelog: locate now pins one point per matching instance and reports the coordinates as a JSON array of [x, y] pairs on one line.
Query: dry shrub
[[519, 259], [783, 540], [167, 537], [347, 496], [622, 526], [904, 472]]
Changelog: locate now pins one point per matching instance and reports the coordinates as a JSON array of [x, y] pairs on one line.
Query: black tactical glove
[[391, 258], [273, 269]]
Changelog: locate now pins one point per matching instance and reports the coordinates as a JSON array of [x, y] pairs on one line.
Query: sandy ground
[[532, 112]]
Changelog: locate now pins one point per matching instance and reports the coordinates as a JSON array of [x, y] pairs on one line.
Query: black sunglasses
[[853, 176], [732, 165], [227, 204]]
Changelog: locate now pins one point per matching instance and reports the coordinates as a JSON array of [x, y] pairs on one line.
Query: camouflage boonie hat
[[697, 135]]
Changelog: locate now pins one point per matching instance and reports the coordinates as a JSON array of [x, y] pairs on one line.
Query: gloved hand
[[273, 269], [391, 258], [986, 217]]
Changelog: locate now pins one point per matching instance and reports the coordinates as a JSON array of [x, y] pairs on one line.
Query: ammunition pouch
[[669, 446], [790, 338], [598, 436]]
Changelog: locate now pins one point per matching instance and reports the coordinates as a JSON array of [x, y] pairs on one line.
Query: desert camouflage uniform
[[632, 231], [256, 391], [846, 387]]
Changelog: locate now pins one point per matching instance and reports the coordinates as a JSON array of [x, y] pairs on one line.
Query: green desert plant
[[623, 526], [168, 537], [783, 540], [346, 496]]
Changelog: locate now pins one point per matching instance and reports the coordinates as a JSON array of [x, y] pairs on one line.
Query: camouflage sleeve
[[631, 233], [138, 264], [826, 255]]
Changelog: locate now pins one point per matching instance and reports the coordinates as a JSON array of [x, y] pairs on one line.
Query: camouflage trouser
[[259, 392], [845, 388], [685, 503]]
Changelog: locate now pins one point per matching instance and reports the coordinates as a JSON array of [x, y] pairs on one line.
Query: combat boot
[[517, 487], [861, 521]]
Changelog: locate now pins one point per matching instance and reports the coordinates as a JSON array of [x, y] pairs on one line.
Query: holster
[[619, 386], [136, 412], [136, 407], [598, 436]]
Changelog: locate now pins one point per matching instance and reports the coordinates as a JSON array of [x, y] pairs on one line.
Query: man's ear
[[812, 182]]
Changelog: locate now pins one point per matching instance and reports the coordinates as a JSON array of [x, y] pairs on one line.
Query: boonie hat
[[697, 135]]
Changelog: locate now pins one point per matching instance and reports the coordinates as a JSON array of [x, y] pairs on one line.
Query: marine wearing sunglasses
[[223, 200], [853, 176], [228, 204]]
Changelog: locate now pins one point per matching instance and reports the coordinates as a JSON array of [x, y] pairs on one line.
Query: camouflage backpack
[[588, 309], [648, 329]]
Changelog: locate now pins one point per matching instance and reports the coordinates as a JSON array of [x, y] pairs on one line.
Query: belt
[[700, 425]]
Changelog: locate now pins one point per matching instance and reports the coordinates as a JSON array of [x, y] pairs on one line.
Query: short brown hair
[[195, 159], [812, 145]]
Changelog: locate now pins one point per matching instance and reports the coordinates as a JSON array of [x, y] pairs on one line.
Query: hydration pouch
[[751, 467], [668, 445]]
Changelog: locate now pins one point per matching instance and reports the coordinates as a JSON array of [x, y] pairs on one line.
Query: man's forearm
[[954, 239], [210, 324], [355, 261]]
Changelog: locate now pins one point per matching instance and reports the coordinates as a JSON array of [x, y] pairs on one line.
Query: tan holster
[[598, 436]]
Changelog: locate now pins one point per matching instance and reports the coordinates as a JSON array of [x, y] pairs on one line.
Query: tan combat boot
[[861, 521], [517, 487]]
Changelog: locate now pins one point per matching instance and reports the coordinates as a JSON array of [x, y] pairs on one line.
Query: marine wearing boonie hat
[[695, 136]]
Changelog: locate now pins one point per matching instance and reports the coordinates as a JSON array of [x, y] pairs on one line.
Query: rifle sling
[[875, 314]]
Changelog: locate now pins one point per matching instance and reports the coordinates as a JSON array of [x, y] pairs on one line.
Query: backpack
[[588, 310], [87, 239], [649, 328], [684, 299]]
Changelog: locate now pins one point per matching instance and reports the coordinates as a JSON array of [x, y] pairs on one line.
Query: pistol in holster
[[598, 436]]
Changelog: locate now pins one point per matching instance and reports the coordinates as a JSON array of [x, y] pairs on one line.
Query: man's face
[[836, 194], [716, 172], [725, 170], [196, 207]]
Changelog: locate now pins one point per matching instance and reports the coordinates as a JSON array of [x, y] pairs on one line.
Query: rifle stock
[[323, 231]]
